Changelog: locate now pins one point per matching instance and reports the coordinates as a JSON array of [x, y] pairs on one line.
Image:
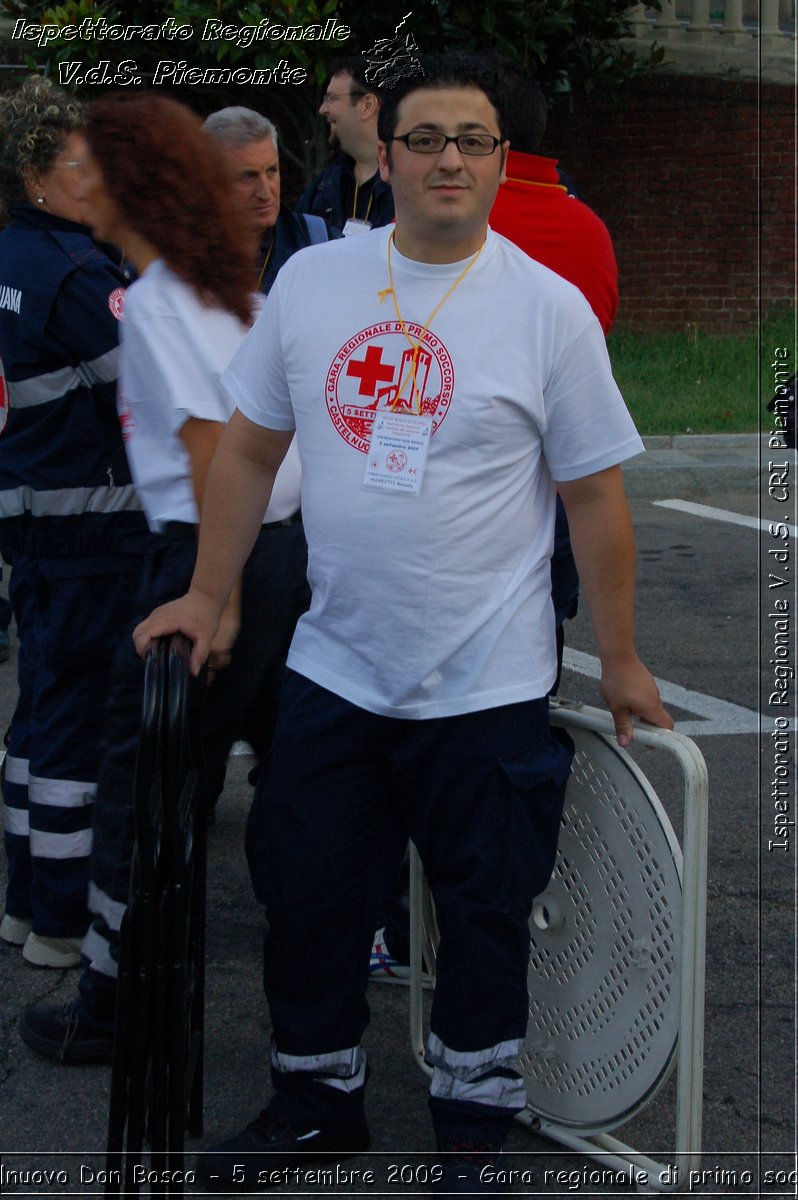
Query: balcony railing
[[721, 37]]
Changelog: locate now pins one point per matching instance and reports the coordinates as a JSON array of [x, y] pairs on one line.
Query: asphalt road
[[698, 628]]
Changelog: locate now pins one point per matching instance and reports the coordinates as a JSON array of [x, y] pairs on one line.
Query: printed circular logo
[[374, 369], [116, 303], [4, 398]]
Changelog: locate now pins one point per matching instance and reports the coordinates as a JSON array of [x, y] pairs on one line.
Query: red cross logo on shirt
[[361, 379], [370, 371]]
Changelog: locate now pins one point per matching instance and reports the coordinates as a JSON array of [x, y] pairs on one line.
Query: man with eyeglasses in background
[[438, 399], [349, 193]]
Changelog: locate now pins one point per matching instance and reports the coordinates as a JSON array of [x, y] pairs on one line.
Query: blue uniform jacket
[[65, 485], [332, 195], [290, 233]]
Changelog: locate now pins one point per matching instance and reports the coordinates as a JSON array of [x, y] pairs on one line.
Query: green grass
[[696, 382]]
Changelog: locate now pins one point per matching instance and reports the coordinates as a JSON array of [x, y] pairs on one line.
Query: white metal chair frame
[[690, 1056]]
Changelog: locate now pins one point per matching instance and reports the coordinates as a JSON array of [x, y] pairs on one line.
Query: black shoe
[[257, 1158], [472, 1168], [65, 1033], [464, 1177]]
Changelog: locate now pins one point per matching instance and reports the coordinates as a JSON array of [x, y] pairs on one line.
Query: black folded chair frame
[[157, 1071]]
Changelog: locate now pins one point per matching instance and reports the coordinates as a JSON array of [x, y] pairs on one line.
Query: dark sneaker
[[474, 1176], [472, 1168], [64, 1033], [257, 1158]]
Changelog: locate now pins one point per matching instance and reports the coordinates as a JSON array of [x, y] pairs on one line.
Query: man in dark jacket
[[349, 192], [250, 143]]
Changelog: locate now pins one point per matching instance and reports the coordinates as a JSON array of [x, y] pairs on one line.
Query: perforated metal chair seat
[[605, 945], [617, 941]]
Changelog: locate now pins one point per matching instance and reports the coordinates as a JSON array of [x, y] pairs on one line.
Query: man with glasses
[[439, 398], [349, 193]]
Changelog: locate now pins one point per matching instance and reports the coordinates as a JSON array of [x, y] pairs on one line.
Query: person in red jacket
[[535, 211]]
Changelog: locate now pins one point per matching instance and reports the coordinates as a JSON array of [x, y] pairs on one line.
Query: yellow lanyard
[[265, 265], [368, 206], [416, 346]]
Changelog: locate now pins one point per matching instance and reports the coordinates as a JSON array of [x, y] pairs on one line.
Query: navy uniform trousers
[[73, 531], [70, 613], [241, 703], [481, 797]]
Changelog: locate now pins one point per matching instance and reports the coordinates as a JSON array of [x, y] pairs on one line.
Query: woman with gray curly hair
[[70, 520], [37, 123]]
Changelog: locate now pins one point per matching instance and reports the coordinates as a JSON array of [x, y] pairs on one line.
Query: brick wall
[[694, 178]]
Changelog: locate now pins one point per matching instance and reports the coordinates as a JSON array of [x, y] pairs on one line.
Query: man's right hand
[[195, 615]]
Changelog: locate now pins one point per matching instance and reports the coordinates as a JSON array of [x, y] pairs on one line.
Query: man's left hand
[[631, 691]]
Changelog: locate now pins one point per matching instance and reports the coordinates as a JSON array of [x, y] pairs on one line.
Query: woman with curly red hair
[[154, 176], [155, 182]]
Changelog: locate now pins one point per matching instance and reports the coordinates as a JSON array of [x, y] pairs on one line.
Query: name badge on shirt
[[354, 228], [398, 452]]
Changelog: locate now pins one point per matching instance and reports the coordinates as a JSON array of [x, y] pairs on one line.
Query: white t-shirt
[[440, 603], [174, 350]]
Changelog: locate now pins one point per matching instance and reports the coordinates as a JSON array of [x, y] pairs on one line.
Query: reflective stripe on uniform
[[17, 770], [60, 845], [350, 1084], [41, 389], [105, 368], [344, 1064], [488, 1076], [104, 906], [69, 502], [500, 1091], [97, 950], [471, 1064], [60, 793], [15, 820]]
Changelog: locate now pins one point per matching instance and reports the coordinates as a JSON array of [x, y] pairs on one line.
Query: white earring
[[40, 199]]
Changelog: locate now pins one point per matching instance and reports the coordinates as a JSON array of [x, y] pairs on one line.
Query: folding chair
[[617, 946], [156, 1078]]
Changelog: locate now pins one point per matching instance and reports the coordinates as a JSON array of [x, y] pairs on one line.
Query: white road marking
[[721, 514], [720, 717]]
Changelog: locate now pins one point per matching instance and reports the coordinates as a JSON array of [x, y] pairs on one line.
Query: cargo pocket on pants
[[537, 780]]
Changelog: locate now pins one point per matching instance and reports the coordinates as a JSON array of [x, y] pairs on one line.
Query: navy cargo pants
[[481, 797]]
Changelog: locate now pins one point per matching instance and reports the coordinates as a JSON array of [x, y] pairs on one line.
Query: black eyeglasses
[[425, 141]]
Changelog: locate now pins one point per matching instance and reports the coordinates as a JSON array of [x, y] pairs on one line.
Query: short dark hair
[[525, 108], [445, 71], [356, 66]]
